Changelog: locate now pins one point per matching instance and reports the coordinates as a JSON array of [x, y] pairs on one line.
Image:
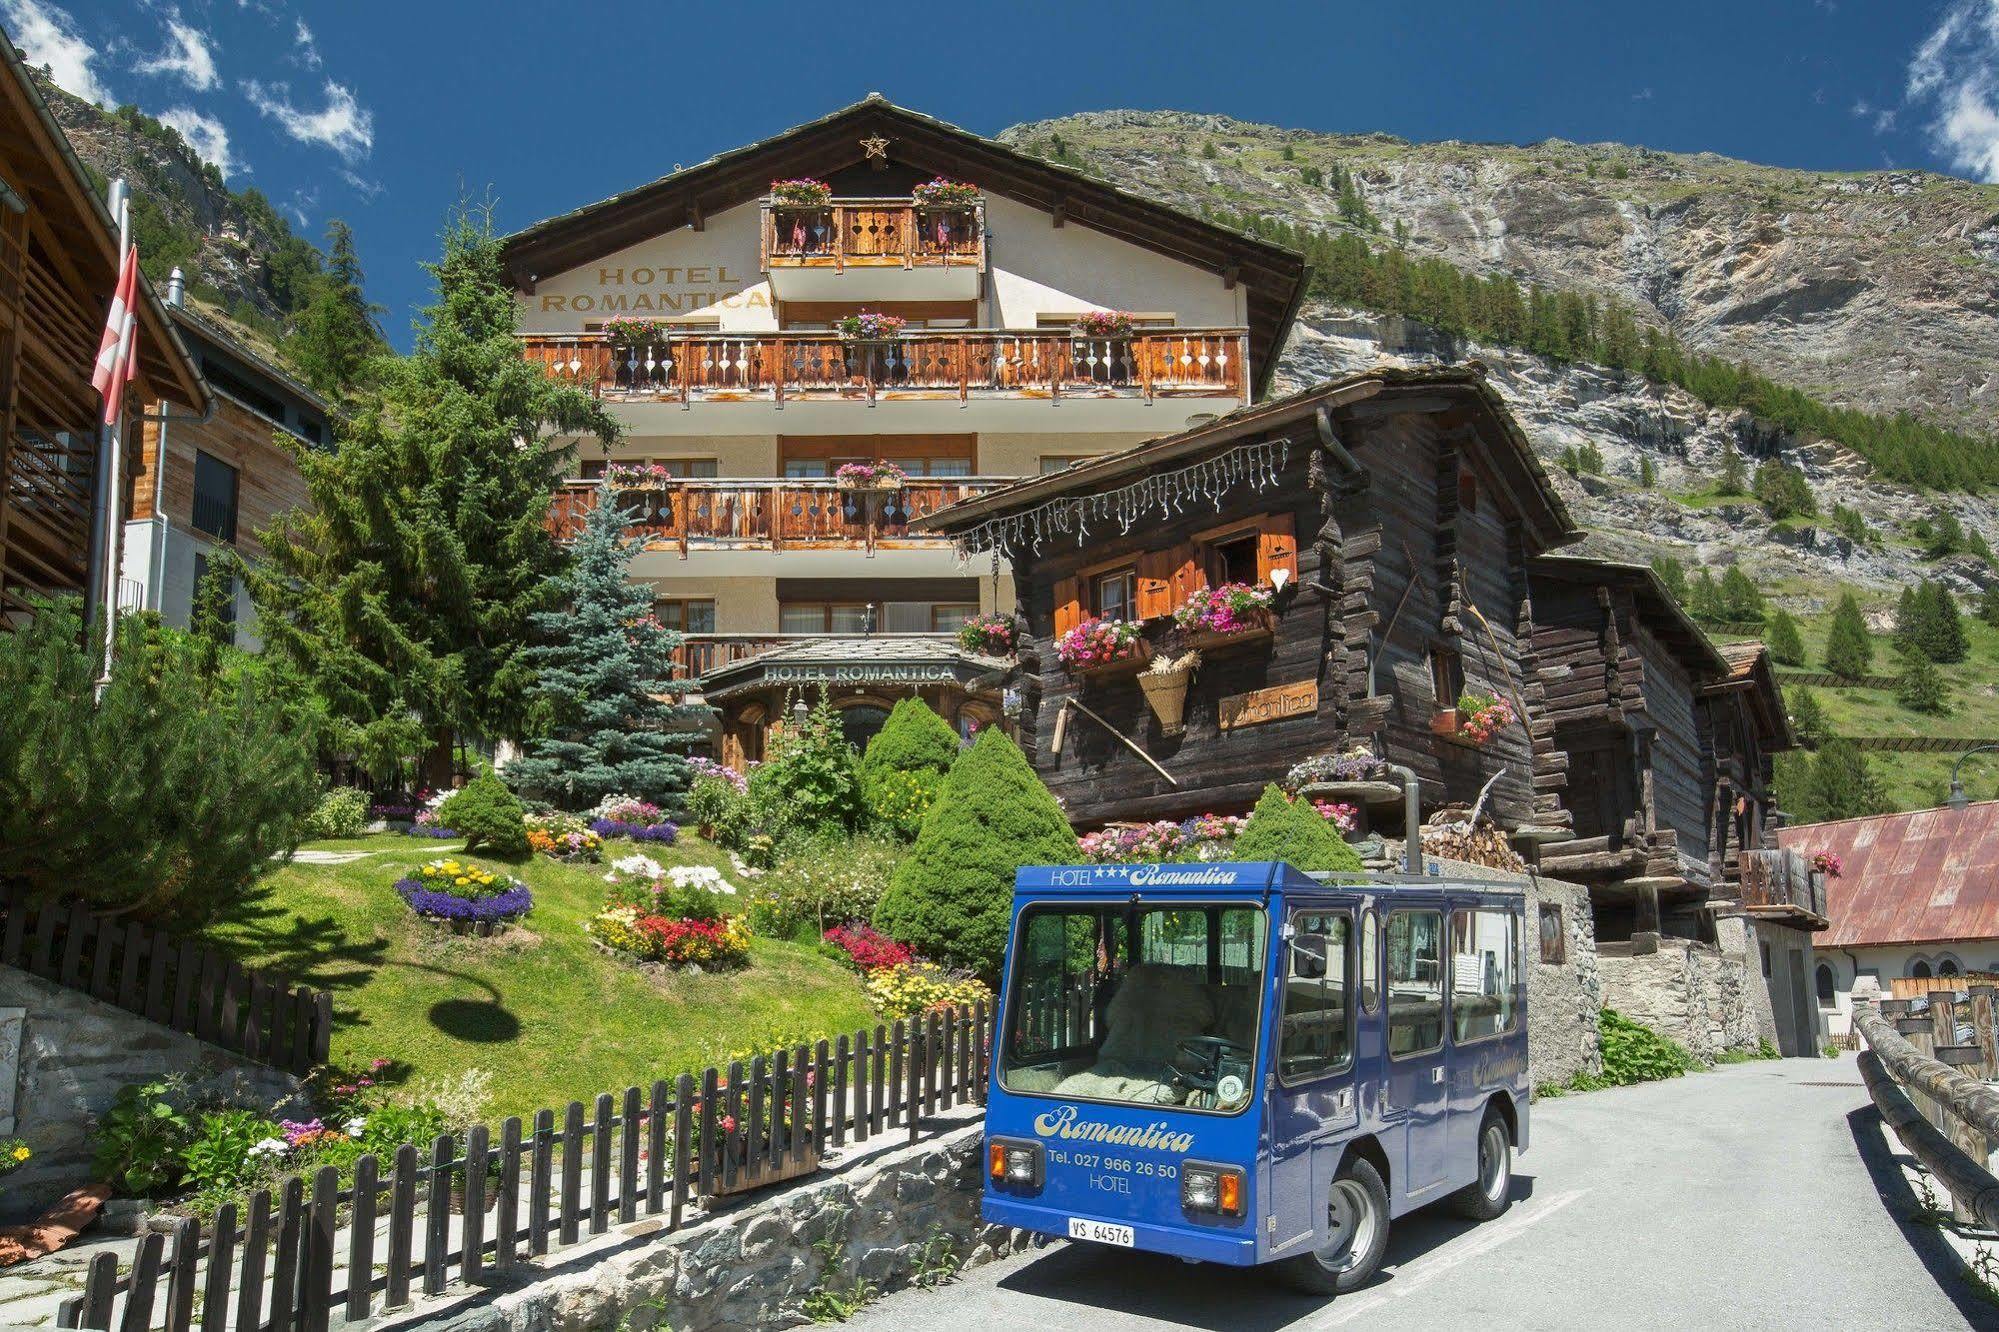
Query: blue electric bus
[[1241, 1063]]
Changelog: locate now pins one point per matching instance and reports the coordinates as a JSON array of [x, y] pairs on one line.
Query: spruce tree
[[1733, 477], [1808, 717], [1988, 605], [603, 669], [1795, 779], [1921, 688], [1939, 628], [1648, 473], [1741, 599], [1280, 828], [403, 590], [1786, 644], [1672, 575], [1843, 784], [952, 896], [1848, 649], [1783, 491], [1908, 622], [336, 335], [1704, 599]]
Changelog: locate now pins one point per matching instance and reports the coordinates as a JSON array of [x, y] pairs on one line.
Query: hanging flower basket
[[801, 193], [1165, 685], [943, 193], [876, 476], [636, 331], [869, 326], [990, 635], [1104, 324], [1103, 648], [1231, 615]]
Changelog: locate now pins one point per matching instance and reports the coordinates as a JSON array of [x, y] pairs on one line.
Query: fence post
[[402, 1226], [361, 1240], [980, 1035], [918, 1061], [656, 1149], [539, 1180], [437, 1215], [250, 1289], [1966, 1059], [600, 1164], [1918, 1032], [100, 1278], [1985, 1030], [569, 1207], [285, 1266], [221, 1255], [473, 1225], [321, 1225], [507, 1217], [683, 1144], [180, 1276], [898, 1090]]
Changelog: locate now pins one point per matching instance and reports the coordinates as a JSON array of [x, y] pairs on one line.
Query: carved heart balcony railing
[[961, 364], [874, 233], [769, 514]]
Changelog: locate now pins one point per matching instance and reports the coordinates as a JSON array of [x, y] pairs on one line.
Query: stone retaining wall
[[1692, 992], [63, 1057]]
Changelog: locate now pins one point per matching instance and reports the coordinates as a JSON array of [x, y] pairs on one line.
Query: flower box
[[801, 193], [1261, 627], [942, 193], [880, 477], [1099, 648], [992, 635], [1117, 668], [1444, 722], [1231, 615], [869, 326], [1103, 324]]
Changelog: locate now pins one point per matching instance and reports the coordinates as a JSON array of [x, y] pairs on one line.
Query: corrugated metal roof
[[1915, 878]]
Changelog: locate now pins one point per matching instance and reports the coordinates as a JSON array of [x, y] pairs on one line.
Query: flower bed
[[1099, 646], [943, 193], [465, 895], [565, 837], [801, 192], [993, 635], [677, 917], [908, 988], [633, 819], [869, 326], [867, 948]]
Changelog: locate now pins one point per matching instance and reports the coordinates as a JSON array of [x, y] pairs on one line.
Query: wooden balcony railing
[[874, 233], [960, 364], [1780, 883], [702, 653], [770, 513]]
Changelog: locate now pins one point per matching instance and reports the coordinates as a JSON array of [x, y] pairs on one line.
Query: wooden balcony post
[[776, 517], [777, 379], [767, 226], [1242, 367], [1141, 347], [964, 345], [1058, 365], [909, 237], [839, 216]]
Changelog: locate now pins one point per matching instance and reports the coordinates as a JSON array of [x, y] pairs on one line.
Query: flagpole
[[113, 454]]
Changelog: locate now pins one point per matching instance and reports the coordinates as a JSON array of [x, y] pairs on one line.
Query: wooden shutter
[[1068, 604], [1276, 547], [1187, 575], [1155, 584]]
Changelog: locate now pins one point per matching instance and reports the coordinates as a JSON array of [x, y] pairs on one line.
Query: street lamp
[[1957, 799]]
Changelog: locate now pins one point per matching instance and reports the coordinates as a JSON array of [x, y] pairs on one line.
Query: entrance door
[[1417, 1092], [1313, 1107], [860, 722], [1804, 1018]]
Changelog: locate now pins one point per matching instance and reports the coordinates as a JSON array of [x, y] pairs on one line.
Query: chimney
[[176, 288]]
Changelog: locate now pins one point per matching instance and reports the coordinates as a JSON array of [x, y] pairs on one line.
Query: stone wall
[[63, 1057], [1694, 993], [881, 1217]]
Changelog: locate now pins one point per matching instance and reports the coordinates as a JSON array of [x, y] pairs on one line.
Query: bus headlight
[[1014, 1161], [1211, 1188]]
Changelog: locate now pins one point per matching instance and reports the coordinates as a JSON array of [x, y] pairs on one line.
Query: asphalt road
[[1754, 1196]]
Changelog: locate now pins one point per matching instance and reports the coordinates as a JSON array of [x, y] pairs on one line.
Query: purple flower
[[666, 834], [515, 901], [427, 830]]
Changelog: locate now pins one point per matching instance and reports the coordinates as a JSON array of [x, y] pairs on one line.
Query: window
[[1415, 982], [1947, 967], [1317, 1037], [688, 615], [1920, 970], [1485, 951], [1370, 962], [1061, 462], [1766, 961], [1824, 979], [1233, 560], [1554, 936], [1447, 676], [800, 469], [947, 616], [824, 617], [1114, 596], [214, 496]]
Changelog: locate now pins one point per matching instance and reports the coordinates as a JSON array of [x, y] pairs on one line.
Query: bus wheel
[[1492, 1192], [1358, 1238]]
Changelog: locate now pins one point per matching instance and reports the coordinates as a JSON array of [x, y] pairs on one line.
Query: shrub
[[140, 1140], [812, 777], [951, 898], [488, 815], [1636, 1053], [909, 988], [904, 767], [816, 885], [1280, 828], [898, 802], [341, 812], [1783, 491], [709, 799]]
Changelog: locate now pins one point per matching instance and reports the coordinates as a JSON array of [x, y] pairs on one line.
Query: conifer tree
[[1988, 605], [951, 897], [1848, 649], [1786, 644], [1281, 828], [1843, 784], [1733, 477], [1673, 575], [1741, 599], [904, 767], [212, 610], [604, 670], [1921, 688], [1648, 474], [1939, 628], [336, 335], [402, 591], [1908, 622], [1808, 717], [1704, 599]]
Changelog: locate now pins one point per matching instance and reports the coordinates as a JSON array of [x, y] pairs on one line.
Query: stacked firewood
[[1458, 833]]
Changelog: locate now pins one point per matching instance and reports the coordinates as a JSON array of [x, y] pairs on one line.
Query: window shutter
[[1187, 576], [1155, 584], [1276, 548], [1068, 604]]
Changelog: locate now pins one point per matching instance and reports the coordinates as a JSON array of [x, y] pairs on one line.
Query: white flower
[[700, 876], [643, 867], [355, 1126], [269, 1147]]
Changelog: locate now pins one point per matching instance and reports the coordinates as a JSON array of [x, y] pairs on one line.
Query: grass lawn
[[546, 1013]]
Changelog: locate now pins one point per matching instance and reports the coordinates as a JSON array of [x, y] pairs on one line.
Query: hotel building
[[742, 398]]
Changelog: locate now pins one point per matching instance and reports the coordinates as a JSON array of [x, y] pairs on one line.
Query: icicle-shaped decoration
[[1208, 481]]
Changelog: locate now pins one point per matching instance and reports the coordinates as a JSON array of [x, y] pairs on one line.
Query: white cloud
[[369, 190], [1642, 95], [50, 37], [303, 201], [343, 125], [1954, 77], [308, 49], [188, 56], [206, 135]]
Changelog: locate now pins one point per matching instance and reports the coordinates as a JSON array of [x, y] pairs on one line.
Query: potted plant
[[1104, 324], [803, 192], [1351, 777], [1224, 616], [945, 193], [639, 476], [1099, 647], [869, 326], [1476, 719], [1165, 685], [878, 476], [992, 635], [635, 330]]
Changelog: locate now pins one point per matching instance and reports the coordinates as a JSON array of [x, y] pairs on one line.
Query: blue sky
[[384, 114]]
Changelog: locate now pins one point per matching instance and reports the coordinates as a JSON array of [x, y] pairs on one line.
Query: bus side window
[[1415, 982], [1370, 961], [1485, 952], [1317, 1036]]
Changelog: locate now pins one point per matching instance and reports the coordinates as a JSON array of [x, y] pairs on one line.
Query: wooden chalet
[[58, 268], [1396, 512]]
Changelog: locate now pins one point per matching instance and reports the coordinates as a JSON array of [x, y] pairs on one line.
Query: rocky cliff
[[1877, 290]]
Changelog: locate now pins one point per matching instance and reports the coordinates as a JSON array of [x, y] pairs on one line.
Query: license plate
[[1101, 1232]]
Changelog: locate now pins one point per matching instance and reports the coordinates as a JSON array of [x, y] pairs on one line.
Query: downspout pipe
[[1412, 819]]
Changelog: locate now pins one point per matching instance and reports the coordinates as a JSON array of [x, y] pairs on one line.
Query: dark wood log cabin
[[1399, 510], [1667, 740]]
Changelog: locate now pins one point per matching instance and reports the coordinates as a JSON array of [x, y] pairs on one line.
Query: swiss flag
[[115, 362]]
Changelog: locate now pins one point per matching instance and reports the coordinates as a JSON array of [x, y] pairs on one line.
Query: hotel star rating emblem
[[876, 147]]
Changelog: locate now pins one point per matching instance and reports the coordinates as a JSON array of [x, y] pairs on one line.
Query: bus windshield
[[1151, 1005]]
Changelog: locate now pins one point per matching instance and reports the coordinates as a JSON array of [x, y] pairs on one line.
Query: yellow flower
[[21, 1153]]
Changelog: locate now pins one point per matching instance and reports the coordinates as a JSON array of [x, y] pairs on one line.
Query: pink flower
[[728, 1123]]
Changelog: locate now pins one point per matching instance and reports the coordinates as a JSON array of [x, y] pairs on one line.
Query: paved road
[[1748, 1197]]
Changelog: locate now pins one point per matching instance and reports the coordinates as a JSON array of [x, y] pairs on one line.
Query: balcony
[[1780, 885], [772, 514], [957, 365], [812, 253]]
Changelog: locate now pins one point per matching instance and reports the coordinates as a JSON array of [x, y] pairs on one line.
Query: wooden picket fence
[[273, 1264], [175, 982]]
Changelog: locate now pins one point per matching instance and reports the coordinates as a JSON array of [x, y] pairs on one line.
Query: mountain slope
[[1876, 290]]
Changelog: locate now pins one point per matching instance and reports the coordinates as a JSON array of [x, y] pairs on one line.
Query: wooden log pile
[[1455, 833]]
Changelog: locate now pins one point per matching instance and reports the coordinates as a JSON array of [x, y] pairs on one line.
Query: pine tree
[[1939, 628], [1648, 474], [212, 611], [1704, 599], [1741, 599], [1908, 622], [951, 897], [1733, 477], [402, 591], [1783, 491], [1786, 644], [1672, 576], [1921, 688], [1280, 828], [1848, 649], [1988, 604], [1808, 717], [604, 669], [336, 335], [1843, 784]]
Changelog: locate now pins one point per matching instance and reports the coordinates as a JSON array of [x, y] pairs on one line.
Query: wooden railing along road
[[1929, 1066], [950, 364], [873, 232], [769, 513], [478, 1208]]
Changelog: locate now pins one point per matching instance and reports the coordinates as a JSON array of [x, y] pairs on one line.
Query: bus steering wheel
[[1206, 1052]]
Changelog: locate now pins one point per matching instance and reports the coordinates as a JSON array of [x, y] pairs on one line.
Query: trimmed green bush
[[488, 815], [904, 767], [950, 898], [1280, 828], [341, 812]]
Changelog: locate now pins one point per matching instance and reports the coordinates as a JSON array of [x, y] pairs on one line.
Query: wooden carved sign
[[1269, 705]]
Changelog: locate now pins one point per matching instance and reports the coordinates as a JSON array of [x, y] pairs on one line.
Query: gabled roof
[[1275, 276], [66, 197], [1923, 877], [1547, 519], [206, 330], [1663, 615], [1751, 674]]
